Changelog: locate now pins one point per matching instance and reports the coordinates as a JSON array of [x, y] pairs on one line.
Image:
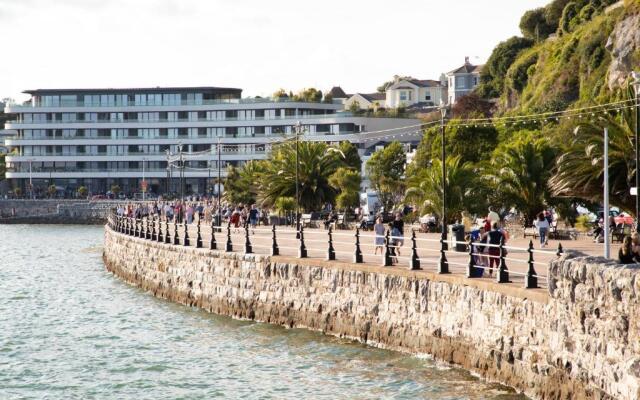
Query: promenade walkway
[[517, 258]]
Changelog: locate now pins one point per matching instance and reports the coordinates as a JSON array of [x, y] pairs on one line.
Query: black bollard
[[199, 237], [167, 234], [247, 243], [176, 238], [275, 250], [471, 265], [154, 233], [160, 234], [414, 264], [357, 256], [136, 229], [503, 273], [302, 250], [331, 252], [212, 243], [560, 250], [229, 245], [147, 234], [531, 280], [443, 264], [386, 258], [186, 234]]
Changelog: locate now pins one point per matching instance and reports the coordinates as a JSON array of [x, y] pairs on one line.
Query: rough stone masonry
[[578, 341]]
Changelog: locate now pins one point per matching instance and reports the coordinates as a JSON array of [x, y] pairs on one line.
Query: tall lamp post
[[181, 171], [298, 130], [636, 87], [444, 265], [144, 184], [168, 172], [218, 191]]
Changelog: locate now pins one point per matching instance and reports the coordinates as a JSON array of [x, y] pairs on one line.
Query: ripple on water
[[69, 329]]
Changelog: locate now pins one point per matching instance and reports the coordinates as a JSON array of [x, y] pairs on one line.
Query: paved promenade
[[428, 248]]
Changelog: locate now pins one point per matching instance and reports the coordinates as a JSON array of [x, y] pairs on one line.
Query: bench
[[306, 220], [530, 231], [339, 223]]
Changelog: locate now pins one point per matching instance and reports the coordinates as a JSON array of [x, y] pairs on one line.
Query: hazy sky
[[256, 45]]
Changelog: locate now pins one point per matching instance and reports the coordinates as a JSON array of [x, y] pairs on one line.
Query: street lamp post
[[218, 188], [444, 266], [297, 131], [144, 189], [181, 171], [636, 87], [30, 182], [168, 171]]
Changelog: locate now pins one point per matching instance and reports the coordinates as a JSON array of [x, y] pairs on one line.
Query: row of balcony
[[183, 120], [114, 103]]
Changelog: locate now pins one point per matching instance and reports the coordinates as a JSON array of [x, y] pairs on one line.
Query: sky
[[257, 45]]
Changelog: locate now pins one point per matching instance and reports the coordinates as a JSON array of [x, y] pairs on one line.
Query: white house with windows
[[366, 100], [463, 80], [409, 92]]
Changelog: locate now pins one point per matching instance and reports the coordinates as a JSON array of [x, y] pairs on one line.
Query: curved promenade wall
[[578, 341]]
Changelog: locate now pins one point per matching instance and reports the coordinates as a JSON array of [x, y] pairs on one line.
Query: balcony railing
[[184, 120], [211, 153], [166, 103], [181, 137]]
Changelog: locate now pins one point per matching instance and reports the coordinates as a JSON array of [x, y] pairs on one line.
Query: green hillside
[[562, 59]]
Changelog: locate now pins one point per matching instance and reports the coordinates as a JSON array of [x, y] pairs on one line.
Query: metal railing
[[344, 246]]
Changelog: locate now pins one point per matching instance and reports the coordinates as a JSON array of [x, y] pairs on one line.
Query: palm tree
[[520, 173], [316, 163], [580, 170], [425, 188]]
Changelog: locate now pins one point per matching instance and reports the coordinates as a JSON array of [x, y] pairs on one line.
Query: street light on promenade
[[168, 171], [636, 87], [143, 186], [443, 265], [181, 166], [298, 129], [218, 191]]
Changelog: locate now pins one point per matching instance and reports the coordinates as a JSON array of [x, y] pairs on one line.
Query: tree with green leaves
[[317, 162], [349, 153], [424, 189], [580, 169], [495, 70], [347, 182], [240, 184], [115, 189], [385, 169], [534, 25], [519, 174]]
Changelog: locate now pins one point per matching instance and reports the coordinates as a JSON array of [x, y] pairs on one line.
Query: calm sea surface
[[69, 329]]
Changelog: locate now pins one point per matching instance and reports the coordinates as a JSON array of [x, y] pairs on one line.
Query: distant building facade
[[463, 80], [102, 137], [410, 92], [366, 100]]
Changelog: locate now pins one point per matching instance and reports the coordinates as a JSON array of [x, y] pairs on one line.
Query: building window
[[427, 97], [403, 96], [475, 81]]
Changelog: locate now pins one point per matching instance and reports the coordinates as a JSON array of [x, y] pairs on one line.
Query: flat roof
[[157, 89]]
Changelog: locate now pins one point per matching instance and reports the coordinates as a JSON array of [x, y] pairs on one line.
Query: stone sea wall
[[579, 340]]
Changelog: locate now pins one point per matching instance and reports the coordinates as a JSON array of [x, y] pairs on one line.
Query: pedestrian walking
[[379, 231], [542, 224]]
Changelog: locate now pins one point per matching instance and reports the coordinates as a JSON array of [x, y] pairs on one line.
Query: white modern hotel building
[[100, 137]]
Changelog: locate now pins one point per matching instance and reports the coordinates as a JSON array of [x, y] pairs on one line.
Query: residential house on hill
[[463, 80], [338, 95], [415, 92], [366, 100]]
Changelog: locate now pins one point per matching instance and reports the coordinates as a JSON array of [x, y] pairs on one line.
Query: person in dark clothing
[[626, 254], [493, 237], [397, 231]]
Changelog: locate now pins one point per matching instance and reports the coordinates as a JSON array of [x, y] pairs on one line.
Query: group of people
[[193, 210], [629, 252]]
